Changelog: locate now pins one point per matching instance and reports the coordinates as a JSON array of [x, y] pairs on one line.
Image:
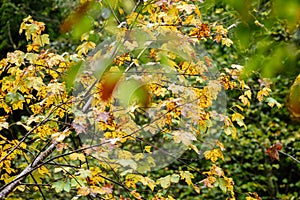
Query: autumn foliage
[[120, 118]]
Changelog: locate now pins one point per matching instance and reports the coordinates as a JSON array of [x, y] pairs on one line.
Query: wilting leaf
[[273, 151]]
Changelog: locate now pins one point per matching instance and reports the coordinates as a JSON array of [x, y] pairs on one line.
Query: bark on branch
[[8, 188]]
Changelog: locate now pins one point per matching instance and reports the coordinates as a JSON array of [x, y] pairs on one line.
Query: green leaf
[[222, 184], [175, 178], [67, 186], [165, 182], [71, 75], [12, 98], [85, 173], [58, 186], [132, 91]]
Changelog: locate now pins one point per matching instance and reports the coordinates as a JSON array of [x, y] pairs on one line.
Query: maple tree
[[99, 123]]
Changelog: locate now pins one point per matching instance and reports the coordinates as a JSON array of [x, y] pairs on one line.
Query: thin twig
[[25, 136], [288, 155], [34, 184], [10, 37]]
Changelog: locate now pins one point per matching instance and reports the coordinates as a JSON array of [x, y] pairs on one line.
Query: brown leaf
[[272, 151]]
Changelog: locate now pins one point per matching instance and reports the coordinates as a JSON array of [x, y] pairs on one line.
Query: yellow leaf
[[148, 182], [21, 188], [239, 119], [244, 100], [84, 191], [77, 156], [187, 176], [85, 47], [248, 93], [230, 131], [209, 181], [60, 136], [250, 198], [293, 102], [213, 155], [148, 149], [226, 41], [197, 11], [3, 123], [214, 87], [136, 194], [194, 148], [196, 188], [43, 170], [239, 107], [221, 145], [263, 93]]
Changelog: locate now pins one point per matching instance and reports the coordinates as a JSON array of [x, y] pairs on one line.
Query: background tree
[[13, 12]]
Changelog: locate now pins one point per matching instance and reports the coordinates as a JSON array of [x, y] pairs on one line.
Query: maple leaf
[[263, 93], [213, 155], [239, 119], [77, 156], [85, 47], [185, 137], [187, 176], [272, 151], [201, 32]]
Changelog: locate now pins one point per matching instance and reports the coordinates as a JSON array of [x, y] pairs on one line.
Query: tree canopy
[[161, 99]]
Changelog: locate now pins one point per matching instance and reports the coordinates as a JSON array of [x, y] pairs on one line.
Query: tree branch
[[8, 188], [288, 155]]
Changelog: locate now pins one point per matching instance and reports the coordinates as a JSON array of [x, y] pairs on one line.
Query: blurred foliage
[[14, 11]]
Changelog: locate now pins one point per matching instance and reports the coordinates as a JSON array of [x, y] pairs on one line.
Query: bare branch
[[288, 155], [8, 188]]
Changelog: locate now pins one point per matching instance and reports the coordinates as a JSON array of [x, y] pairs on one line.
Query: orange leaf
[[109, 82]]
